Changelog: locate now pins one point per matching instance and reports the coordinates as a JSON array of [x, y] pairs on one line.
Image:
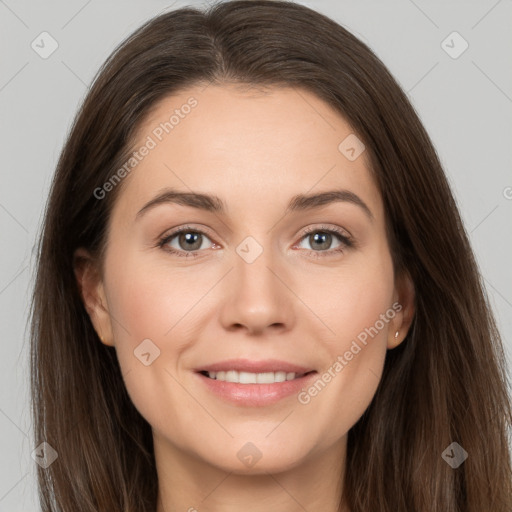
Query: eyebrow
[[212, 203]]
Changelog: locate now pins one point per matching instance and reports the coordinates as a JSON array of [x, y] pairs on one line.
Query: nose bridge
[[257, 297], [253, 263]]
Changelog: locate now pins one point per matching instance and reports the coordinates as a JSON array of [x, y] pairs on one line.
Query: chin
[[244, 457]]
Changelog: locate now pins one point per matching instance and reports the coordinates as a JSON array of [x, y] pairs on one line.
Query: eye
[[321, 238], [189, 240]]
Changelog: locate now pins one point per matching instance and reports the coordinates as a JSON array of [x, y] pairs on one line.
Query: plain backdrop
[[464, 100]]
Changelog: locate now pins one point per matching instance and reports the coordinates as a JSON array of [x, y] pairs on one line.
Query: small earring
[[396, 335]]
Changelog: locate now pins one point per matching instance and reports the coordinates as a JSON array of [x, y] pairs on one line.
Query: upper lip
[[247, 365]]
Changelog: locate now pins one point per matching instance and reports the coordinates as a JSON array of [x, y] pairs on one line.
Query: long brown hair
[[447, 382]]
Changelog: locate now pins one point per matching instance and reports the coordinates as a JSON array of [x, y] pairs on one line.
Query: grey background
[[464, 103]]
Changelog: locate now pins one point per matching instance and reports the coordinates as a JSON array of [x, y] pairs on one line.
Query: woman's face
[[248, 284]]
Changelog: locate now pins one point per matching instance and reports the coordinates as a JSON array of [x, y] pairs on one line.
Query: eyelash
[[346, 241]]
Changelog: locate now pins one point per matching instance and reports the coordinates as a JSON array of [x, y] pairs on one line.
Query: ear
[[403, 305], [93, 296]]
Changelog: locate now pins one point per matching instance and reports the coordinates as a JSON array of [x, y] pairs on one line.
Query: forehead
[[246, 145]]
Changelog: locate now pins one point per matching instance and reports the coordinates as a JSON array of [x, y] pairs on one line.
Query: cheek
[[358, 297], [155, 310], [147, 305], [151, 299], [359, 313]]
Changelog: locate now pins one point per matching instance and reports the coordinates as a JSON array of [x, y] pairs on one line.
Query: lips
[[251, 383], [263, 392]]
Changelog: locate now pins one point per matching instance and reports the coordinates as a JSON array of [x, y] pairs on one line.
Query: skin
[[255, 150]]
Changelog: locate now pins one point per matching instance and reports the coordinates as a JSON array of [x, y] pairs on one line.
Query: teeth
[[253, 378]]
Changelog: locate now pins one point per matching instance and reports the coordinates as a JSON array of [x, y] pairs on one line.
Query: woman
[[190, 352]]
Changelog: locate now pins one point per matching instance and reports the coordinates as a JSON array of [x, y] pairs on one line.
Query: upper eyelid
[[178, 230], [323, 227]]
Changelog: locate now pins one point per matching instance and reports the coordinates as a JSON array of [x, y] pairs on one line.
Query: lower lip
[[256, 395]]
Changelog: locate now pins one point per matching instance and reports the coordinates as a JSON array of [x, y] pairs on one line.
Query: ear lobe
[[93, 296]]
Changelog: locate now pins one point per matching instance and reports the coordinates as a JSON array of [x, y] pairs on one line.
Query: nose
[[257, 297]]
